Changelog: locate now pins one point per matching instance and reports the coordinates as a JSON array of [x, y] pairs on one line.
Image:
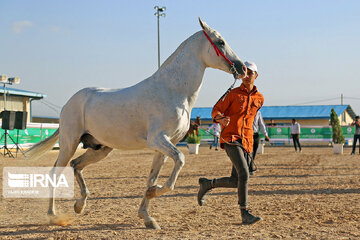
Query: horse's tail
[[42, 147]]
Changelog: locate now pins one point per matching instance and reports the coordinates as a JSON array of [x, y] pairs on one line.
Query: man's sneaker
[[248, 218], [205, 186], [251, 173], [352, 153]]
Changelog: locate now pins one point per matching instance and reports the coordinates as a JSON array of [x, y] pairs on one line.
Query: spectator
[[194, 126], [272, 123], [216, 134], [357, 134], [295, 134], [258, 125]]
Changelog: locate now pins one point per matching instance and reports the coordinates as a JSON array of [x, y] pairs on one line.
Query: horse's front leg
[[143, 213], [162, 144]]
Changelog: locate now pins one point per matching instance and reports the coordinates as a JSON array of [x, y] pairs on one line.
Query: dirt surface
[[310, 195]]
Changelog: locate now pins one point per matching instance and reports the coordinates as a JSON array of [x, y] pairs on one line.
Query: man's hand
[[223, 120], [267, 138]]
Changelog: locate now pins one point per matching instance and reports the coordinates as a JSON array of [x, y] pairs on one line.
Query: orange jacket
[[241, 106]]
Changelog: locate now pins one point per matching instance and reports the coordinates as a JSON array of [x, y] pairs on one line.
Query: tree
[[337, 136]]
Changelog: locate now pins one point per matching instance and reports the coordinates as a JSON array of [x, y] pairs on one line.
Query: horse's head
[[218, 54]]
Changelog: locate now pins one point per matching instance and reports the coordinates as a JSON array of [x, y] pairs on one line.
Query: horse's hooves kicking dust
[[61, 220]]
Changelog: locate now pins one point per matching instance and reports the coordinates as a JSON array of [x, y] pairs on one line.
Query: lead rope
[[235, 74]]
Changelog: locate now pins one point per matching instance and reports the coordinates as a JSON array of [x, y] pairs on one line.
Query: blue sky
[[307, 51]]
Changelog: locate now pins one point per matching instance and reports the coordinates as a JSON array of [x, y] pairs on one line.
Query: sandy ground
[[310, 195]]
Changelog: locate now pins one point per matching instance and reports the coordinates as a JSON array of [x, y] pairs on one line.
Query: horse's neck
[[183, 71]]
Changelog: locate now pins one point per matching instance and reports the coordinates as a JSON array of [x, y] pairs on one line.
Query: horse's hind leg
[[143, 213], [65, 154], [79, 163]]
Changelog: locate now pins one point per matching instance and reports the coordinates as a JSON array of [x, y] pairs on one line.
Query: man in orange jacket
[[236, 113]]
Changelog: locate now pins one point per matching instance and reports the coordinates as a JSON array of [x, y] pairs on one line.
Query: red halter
[[232, 68], [218, 51]]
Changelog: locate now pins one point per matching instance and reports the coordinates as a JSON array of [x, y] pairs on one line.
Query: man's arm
[[262, 127], [218, 110], [211, 127], [299, 129]]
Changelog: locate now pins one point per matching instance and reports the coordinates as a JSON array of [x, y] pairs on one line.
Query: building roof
[[304, 112], [203, 112], [24, 93], [286, 112]]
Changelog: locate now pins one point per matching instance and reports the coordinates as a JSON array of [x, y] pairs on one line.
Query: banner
[[39, 131], [282, 133], [308, 133], [29, 136]]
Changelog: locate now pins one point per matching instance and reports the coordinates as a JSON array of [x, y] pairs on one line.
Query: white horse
[[154, 113]]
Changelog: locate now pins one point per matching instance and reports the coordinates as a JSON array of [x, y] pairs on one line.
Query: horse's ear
[[204, 25], [201, 23]]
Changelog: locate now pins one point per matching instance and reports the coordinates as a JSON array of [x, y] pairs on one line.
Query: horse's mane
[[175, 53]]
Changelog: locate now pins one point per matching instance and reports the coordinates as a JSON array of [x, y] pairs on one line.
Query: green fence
[[282, 133], [29, 136], [37, 132], [205, 135], [309, 133]]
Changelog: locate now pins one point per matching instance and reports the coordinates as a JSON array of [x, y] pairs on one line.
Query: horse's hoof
[[79, 206], [151, 192], [152, 224], [51, 213]]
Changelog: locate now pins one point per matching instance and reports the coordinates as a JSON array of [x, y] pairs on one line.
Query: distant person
[[357, 134], [236, 114], [295, 134], [272, 123], [194, 126], [197, 125], [216, 134], [258, 125]]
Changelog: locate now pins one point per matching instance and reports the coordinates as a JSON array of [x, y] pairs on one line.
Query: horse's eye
[[221, 43]]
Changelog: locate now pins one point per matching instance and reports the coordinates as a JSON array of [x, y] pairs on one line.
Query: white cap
[[251, 65]]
